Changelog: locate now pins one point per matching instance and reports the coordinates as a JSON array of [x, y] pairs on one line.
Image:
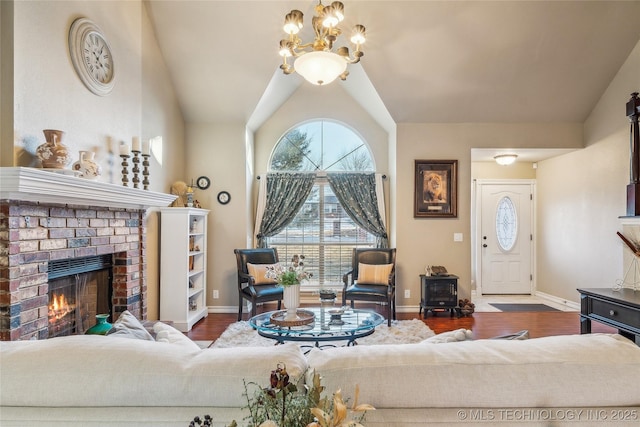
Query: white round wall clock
[[91, 56]]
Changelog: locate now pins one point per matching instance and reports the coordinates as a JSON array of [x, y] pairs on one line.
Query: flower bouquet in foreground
[[283, 405]]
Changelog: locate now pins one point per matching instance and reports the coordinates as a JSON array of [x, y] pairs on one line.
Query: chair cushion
[[270, 292], [374, 274], [378, 291], [259, 271]]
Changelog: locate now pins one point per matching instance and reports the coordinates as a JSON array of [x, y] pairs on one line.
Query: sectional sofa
[[116, 381]]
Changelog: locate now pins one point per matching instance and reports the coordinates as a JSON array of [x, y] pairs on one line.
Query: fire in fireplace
[[79, 289]]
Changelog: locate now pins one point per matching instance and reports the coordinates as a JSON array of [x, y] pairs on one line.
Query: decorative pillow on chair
[[259, 271], [374, 274]]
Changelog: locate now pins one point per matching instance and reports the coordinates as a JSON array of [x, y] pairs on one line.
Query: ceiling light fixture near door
[[316, 61], [505, 159]]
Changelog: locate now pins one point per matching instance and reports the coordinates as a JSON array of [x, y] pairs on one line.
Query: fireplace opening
[[79, 289]]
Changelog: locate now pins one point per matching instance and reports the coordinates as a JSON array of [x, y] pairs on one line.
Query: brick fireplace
[[45, 217]]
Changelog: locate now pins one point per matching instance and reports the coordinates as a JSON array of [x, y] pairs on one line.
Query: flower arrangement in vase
[[290, 278]]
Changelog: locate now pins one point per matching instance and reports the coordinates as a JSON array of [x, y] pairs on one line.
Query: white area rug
[[240, 334]]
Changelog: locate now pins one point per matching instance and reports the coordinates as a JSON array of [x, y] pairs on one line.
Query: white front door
[[506, 238]]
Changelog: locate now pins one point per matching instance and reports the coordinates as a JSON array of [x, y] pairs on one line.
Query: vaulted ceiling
[[428, 61]]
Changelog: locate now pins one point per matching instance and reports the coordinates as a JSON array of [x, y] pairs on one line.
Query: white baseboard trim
[[222, 309], [570, 304]]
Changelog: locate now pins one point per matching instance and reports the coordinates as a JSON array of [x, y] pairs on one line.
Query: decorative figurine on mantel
[[190, 195], [179, 189]]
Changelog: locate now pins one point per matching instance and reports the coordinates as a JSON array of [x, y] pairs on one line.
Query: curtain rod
[[384, 176]]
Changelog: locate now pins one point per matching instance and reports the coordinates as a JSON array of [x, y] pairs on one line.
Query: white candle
[[145, 146], [135, 143], [124, 149], [109, 144]]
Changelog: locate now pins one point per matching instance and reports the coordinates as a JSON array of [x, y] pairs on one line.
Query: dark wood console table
[[619, 309]]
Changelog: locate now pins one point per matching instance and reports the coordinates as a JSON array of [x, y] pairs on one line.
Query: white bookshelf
[[183, 266]]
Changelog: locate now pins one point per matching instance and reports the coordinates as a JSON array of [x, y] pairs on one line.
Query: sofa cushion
[[450, 336], [128, 326], [575, 370], [520, 335], [168, 334], [111, 371]]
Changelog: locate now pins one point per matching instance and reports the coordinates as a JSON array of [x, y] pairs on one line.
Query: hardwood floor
[[483, 325]]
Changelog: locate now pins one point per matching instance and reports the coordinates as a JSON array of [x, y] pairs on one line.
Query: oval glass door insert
[[506, 224]]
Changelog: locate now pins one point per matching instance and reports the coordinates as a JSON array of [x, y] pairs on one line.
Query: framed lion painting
[[436, 189]]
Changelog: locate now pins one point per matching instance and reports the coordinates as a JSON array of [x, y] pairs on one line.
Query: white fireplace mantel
[[37, 185]]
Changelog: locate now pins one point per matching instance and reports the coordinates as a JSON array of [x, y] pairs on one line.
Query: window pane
[[325, 235], [321, 145]]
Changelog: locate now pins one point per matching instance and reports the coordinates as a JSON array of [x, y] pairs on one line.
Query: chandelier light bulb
[[284, 51], [338, 10], [358, 37], [293, 22]]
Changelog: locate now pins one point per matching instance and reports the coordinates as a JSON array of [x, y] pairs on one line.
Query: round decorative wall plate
[[91, 56], [224, 197], [203, 182]]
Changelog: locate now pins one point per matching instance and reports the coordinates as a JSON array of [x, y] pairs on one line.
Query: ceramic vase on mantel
[[53, 154], [87, 166], [291, 300]]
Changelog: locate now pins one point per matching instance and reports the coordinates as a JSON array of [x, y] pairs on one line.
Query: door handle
[[484, 246]]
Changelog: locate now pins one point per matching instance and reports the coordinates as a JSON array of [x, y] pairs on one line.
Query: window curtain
[[361, 196], [281, 197]]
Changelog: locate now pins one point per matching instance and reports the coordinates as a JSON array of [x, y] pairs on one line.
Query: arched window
[[321, 146], [321, 230]]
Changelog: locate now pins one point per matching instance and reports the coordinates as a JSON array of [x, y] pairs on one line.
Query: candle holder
[[136, 168], [145, 171], [125, 169]]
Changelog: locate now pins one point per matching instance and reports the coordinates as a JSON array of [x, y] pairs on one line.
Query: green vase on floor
[[101, 327]]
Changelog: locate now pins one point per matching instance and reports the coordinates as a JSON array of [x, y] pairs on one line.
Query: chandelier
[[316, 61]]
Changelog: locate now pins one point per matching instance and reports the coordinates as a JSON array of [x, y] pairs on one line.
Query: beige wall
[[6, 82], [422, 242], [492, 170], [47, 94], [219, 152], [582, 194]]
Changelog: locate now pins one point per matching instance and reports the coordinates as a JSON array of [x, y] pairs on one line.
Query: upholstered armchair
[[372, 278], [252, 283]]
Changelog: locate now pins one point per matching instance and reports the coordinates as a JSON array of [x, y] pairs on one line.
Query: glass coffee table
[[330, 326]]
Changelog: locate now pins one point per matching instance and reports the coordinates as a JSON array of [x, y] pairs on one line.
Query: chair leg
[[279, 304], [253, 307], [240, 308]]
